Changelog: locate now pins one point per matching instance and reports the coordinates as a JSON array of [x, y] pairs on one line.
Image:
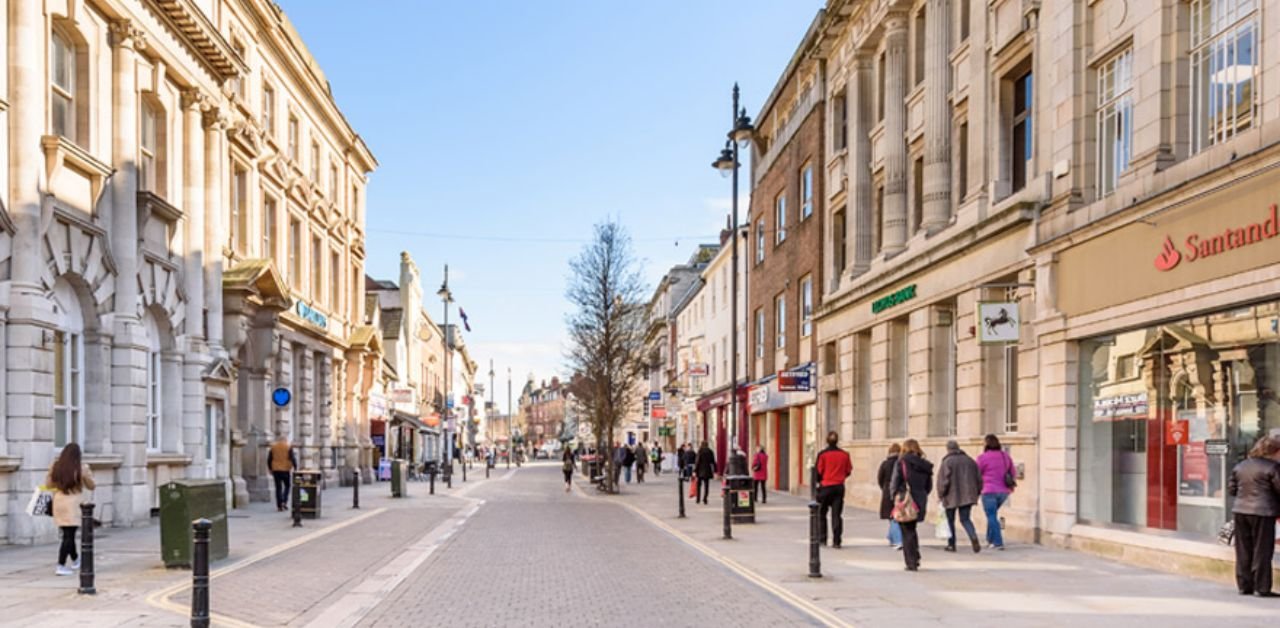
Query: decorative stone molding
[[196, 32], [126, 34]]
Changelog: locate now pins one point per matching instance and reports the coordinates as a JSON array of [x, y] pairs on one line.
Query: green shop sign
[[896, 298]]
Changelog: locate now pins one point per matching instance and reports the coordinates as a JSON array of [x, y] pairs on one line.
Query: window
[[293, 139], [806, 306], [862, 385], [899, 374], [759, 333], [237, 81], [269, 228], [780, 313], [881, 68], [239, 209], [877, 220], [920, 46], [1115, 120], [806, 191], [295, 253], [269, 110], [333, 182], [839, 243], [780, 218], [62, 86], [154, 390], [68, 368], [335, 277], [942, 370], [315, 163], [317, 270], [917, 193], [355, 204], [962, 159], [1224, 69], [760, 240], [1021, 132], [356, 290], [147, 146], [840, 121], [964, 19], [1126, 367]]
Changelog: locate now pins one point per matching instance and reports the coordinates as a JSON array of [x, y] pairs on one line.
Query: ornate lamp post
[[446, 297]]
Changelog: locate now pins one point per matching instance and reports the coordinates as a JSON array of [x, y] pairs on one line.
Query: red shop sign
[[1177, 432]]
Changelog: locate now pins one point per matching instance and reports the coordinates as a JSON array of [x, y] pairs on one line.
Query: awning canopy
[[407, 419]]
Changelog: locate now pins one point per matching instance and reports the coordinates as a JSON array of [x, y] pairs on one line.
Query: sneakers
[[75, 564], [949, 548], [63, 570]]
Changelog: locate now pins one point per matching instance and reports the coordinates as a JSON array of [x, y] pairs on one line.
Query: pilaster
[[858, 100], [937, 116], [895, 119]]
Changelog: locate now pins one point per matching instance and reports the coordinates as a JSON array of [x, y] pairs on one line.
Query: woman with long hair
[[68, 477], [883, 475], [999, 477], [567, 463], [912, 475]]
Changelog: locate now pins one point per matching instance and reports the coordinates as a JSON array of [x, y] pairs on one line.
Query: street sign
[[281, 397], [655, 395], [794, 381]]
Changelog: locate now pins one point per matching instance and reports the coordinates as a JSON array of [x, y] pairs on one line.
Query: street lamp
[[446, 297]]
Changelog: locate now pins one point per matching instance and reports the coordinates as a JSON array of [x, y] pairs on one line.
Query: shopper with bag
[[911, 484], [1255, 485], [959, 487], [69, 478], [886, 498], [999, 477]]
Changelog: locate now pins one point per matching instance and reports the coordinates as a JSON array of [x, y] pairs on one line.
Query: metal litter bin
[[742, 507], [399, 478], [306, 493], [184, 501]]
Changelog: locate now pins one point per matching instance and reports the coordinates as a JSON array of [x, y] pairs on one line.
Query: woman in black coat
[[883, 476], [915, 474]]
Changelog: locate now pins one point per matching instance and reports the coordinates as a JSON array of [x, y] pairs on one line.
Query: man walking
[[642, 462], [281, 460], [833, 468], [619, 457], [657, 459], [704, 466], [959, 487]]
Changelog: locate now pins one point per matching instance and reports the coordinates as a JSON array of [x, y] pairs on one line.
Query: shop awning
[[407, 419]]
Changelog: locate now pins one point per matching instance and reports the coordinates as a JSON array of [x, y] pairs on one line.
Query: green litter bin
[[184, 501], [306, 493], [399, 478]]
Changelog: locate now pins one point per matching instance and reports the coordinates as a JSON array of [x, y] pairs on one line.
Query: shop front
[[1176, 371], [713, 417], [784, 420]]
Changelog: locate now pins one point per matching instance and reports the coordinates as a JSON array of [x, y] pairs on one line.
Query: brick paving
[[536, 556]]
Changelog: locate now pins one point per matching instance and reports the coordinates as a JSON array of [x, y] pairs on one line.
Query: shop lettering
[[1198, 246], [888, 301]]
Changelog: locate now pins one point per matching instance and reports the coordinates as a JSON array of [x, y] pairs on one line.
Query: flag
[[463, 313]]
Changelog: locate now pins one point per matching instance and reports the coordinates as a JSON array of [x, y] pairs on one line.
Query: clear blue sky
[[505, 129]]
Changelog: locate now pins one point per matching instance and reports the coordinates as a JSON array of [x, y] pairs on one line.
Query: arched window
[[68, 367], [155, 390], [62, 85]]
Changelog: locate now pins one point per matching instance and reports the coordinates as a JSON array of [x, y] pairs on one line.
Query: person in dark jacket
[[642, 462], [628, 461], [886, 498], [619, 457], [833, 467], [704, 466], [684, 461], [914, 475], [1255, 485], [959, 487]]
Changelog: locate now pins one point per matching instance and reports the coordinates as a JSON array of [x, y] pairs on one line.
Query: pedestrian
[[912, 477], [657, 459], [999, 477], [760, 474], [704, 466], [959, 487], [567, 464], [619, 456], [628, 461], [642, 462], [883, 475], [281, 460], [69, 477], [833, 468], [1255, 485]]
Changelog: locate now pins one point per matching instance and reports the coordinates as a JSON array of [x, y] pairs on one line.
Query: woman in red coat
[[760, 474]]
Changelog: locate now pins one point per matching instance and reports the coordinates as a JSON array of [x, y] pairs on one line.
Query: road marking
[[818, 613], [160, 599], [351, 608]]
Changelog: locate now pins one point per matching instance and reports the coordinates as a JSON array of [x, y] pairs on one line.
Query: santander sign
[[1198, 246]]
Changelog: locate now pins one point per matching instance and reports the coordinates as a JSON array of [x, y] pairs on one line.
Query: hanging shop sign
[[795, 380], [699, 369], [895, 298], [311, 315], [658, 411], [1177, 432], [401, 395], [997, 322]]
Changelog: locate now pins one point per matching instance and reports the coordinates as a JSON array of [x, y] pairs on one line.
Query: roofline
[[802, 50]]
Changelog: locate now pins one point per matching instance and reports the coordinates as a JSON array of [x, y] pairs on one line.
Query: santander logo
[[1198, 246]]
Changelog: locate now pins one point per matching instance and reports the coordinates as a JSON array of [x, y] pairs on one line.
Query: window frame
[[269, 109], [760, 240], [69, 366], [780, 320], [292, 138], [317, 268], [1021, 123], [149, 121], [806, 306], [806, 190], [155, 399], [295, 252], [270, 227], [760, 333], [66, 92], [780, 218], [1113, 113], [1214, 42]]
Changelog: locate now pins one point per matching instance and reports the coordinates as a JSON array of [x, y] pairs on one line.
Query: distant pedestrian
[[886, 498], [642, 462], [567, 464], [999, 477], [913, 476], [656, 454], [281, 460], [704, 466], [833, 467], [619, 456], [69, 477], [1255, 485], [959, 487], [760, 474], [628, 461]]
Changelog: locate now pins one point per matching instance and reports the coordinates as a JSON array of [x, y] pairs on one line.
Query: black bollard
[[464, 471], [680, 491], [487, 466], [355, 489], [200, 574], [448, 476], [432, 479], [728, 525], [86, 550], [815, 564]]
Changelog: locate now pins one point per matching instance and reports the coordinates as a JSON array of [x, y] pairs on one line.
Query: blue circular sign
[[281, 396]]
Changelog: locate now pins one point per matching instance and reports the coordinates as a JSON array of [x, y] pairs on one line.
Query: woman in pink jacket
[[999, 477], [760, 474]]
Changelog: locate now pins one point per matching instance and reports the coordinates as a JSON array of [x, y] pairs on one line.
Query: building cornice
[[197, 33]]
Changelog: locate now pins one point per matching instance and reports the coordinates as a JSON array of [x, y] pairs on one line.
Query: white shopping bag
[[942, 529]]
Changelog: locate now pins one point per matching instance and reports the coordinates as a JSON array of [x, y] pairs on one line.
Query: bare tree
[[606, 334]]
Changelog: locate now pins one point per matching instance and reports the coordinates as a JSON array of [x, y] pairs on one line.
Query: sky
[[506, 129]]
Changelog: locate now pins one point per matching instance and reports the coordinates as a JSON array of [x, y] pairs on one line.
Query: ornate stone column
[[895, 147], [196, 359], [215, 236], [937, 116], [859, 212]]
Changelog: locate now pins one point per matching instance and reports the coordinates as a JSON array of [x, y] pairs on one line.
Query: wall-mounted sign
[[797, 380], [401, 395], [311, 315], [1120, 407], [997, 322], [1198, 246], [1176, 432], [281, 397], [758, 396], [699, 369], [658, 411], [655, 395], [895, 298]]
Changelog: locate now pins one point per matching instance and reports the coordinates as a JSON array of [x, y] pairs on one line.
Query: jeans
[[704, 489], [831, 498], [1255, 547], [991, 503], [895, 534], [759, 491], [282, 488], [68, 547], [964, 521], [640, 473], [626, 472], [910, 544]]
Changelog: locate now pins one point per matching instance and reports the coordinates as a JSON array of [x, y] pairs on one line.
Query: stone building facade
[[1053, 222], [145, 312]]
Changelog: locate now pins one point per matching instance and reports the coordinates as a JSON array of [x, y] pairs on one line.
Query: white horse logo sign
[[997, 322]]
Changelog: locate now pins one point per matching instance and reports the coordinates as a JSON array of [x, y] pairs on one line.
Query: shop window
[[1000, 389], [899, 378], [1224, 70], [1158, 439], [862, 385]]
